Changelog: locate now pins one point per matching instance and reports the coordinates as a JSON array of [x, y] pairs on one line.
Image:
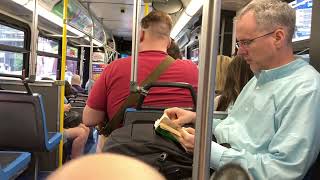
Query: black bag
[[138, 139], [71, 119]]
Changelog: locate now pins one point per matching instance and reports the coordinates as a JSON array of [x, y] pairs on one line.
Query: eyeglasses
[[247, 42]]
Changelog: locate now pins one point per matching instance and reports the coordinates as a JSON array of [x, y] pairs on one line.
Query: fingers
[[190, 130], [187, 139], [172, 113]]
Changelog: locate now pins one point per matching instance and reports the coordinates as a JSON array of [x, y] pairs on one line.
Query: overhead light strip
[[53, 18], [192, 8]]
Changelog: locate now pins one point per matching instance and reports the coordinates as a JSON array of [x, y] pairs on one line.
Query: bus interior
[[99, 32]]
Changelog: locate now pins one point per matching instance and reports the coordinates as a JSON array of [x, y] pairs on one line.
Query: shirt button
[[257, 87]]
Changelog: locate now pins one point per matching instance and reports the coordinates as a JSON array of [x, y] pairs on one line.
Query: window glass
[[11, 62], [46, 67], [71, 69], [11, 37], [72, 52], [47, 45]]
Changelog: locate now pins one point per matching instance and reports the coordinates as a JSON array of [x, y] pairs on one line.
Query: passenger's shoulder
[[308, 72], [120, 61], [307, 79]]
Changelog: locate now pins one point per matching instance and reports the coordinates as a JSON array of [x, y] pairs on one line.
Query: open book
[[167, 128]]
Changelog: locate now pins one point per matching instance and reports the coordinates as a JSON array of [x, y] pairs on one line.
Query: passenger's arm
[[95, 110], [92, 117], [293, 148]]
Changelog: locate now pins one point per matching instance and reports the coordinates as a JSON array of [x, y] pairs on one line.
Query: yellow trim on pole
[[63, 68], [146, 9]]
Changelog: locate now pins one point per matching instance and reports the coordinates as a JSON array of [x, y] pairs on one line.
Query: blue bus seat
[[12, 164], [23, 125]]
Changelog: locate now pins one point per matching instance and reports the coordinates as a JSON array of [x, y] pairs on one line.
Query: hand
[[180, 116], [67, 107], [187, 139]]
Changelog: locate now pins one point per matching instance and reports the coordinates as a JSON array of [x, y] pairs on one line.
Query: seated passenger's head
[[67, 89], [106, 166], [174, 50], [155, 31], [75, 80], [231, 172], [264, 30], [237, 76], [221, 71]]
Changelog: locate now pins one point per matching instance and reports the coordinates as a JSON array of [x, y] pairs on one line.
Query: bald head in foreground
[[106, 166]]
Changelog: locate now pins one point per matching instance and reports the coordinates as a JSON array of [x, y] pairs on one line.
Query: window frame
[[51, 55], [16, 24]]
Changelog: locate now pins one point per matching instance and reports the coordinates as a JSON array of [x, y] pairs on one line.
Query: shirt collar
[[266, 76]]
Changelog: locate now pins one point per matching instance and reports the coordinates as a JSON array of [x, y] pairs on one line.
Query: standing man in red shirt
[[112, 88]]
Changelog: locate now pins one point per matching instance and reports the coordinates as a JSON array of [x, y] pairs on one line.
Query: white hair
[[271, 14]]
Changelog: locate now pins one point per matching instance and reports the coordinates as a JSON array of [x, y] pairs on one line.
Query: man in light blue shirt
[[273, 128]]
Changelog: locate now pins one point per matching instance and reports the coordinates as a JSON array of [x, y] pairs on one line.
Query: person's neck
[[152, 46], [283, 57]]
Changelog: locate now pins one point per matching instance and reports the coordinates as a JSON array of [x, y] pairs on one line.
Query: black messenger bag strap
[[108, 126]]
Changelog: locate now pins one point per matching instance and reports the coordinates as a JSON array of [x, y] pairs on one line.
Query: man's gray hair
[[271, 14]]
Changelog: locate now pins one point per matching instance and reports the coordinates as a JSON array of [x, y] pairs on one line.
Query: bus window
[[11, 37], [72, 52], [71, 69], [11, 56], [48, 45], [47, 59], [72, 62], [11, 62], [46, 67]]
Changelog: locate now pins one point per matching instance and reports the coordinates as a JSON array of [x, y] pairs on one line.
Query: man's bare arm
[[92, 117]]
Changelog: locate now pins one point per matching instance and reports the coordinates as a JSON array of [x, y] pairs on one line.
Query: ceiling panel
[[120, 23], [115, 15]]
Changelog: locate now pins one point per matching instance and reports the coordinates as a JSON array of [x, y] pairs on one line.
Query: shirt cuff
[[216, 153]]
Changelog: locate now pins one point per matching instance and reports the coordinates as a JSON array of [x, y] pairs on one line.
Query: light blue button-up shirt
[[274, 126]]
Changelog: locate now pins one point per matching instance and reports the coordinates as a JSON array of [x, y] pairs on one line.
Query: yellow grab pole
[[63, 68], [146, 9]]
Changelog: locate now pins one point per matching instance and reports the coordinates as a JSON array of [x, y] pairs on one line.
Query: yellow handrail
[[146, 9], [63, 68]]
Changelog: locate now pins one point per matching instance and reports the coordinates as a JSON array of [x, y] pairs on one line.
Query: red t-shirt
[[112, 88]]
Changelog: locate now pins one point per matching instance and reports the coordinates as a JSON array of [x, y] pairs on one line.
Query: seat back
[[50, 91], [2, 175], [22, 124]]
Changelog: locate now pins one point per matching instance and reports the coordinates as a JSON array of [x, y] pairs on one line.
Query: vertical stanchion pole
[[34, 40], [208, 55], [233, 36], [90, 60], [222, 35], [91, 44], [135, 44], [63, 69], [81, 62]]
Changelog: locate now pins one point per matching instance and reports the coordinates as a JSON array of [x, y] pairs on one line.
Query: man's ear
[[279, 37], [142, 33], [170, 40]]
